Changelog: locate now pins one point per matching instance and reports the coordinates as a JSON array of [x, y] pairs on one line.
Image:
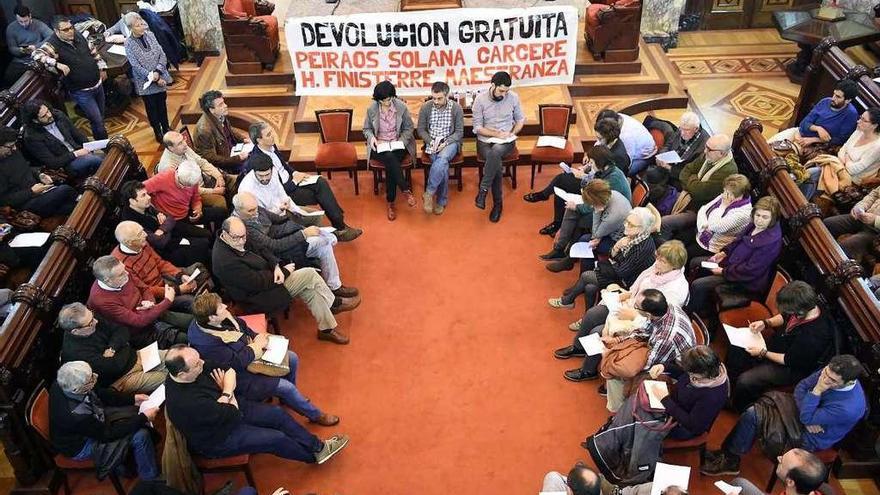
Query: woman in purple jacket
[[747, 262]]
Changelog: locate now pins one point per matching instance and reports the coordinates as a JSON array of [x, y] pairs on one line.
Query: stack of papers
[[581, 250], [593, 344], [669, 157], [744, 337], [495, 140], [276, 349], [552, 141], [30, 239], [575, 198], [390, 146], [654, 388], [666, 475], [149, 357]]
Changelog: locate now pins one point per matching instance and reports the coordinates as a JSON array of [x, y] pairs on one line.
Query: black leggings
[[394, 177]]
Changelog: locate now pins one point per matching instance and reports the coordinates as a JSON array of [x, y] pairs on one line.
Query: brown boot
[[326, 420], [343, 304], [347, 292], [332, 336], [392, 213]]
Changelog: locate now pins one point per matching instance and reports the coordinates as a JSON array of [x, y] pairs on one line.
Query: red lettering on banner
[[521, 52], [434, 58], [345, 60]]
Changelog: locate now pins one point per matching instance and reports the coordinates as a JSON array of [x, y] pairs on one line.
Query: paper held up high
[[303, 212], [96, 145], [275, 349], [666, 475], [654, 388], [552, 141], [669, 157], [581, 250], [240, 147], [497, 140], [566, 196], [390, 146], [744, 337], [149, 356], [593, 344]]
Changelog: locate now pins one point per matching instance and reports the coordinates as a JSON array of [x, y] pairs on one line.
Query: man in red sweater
[[176, 194], [144, 262], [122, 298]]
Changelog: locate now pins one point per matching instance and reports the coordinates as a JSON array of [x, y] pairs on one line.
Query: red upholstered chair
[[757, 310], [251, 39], [554, 120], [227, 465], [639, 192], [509, 162], [697, 443], [38, 419], [701, 333], [455, 166], [378, 170], [335, 152], [612, 29]]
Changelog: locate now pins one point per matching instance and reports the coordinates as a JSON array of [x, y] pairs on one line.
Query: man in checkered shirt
[[441, 127]]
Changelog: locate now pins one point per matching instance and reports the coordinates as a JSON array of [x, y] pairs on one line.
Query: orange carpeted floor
[[449, 385]]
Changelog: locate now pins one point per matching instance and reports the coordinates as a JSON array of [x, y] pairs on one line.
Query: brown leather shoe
[[332, 336], [326, 420], [343, 304], [410, 199], [392, 213], [344, 291], [348, 234]]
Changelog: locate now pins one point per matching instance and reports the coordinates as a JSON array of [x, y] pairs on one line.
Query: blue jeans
[[438, 178], [740, 440], [91, 102], [142, 448], [638, 164], [810, 185], [291, 396], [83, 166], [266, 429]]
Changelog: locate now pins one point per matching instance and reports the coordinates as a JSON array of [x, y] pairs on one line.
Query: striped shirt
[[667, 337]]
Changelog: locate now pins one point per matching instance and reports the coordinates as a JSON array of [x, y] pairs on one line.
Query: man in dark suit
[[52, 140]]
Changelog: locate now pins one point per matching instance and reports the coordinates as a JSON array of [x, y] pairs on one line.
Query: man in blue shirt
[[23, 37], [829, 404], [831, 120]]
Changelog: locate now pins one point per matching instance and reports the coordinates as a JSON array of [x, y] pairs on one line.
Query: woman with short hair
[[148, 63], [722, 219]]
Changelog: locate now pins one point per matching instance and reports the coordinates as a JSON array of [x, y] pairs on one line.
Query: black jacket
[[45, 148], [16, 179], [249, 278], [91, 350], [150, 222], [84, 71]]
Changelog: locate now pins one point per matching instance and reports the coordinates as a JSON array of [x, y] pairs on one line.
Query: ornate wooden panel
[[737, 14]]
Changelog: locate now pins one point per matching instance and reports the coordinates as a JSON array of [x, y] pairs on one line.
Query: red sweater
[[147, 266], [119, 305], [171, 199]]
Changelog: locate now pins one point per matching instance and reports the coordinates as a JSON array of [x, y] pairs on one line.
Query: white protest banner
[[335, 55]]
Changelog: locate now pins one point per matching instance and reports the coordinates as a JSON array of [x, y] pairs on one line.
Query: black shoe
[[562, 265], [495, 214], [603, 391], [480, 201], [534, 197], [725, 464], [554, 254], [577, 375], [568, 352], [550, 229]]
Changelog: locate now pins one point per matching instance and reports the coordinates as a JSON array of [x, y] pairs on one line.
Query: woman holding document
[[149, 68], [388, 129]]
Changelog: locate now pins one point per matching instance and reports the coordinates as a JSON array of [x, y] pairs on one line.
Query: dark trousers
[[752, 377], [211, 218], [586, 284], [58, 201], [394, 177], [568, 183], [321, 194], [493, 169], [862, 236], [157, 112], [266, 429], [592, 322], [198, 250]]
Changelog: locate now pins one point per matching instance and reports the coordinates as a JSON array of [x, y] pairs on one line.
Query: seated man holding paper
[[215, 138], [289, 241], [824, 408], [746, 265], [142, 261], [214, 182], [53, 141], [23, 187], [205, 404], [162, 230], [175, 192], [582, 480], [497, 119], [685, 146], [228, 341], [441, 127], [862, 223], [105, 346], [264, 183], [599, 163], [615, 311], [303, 189], [122, 298], [799, 341], [80, 425]]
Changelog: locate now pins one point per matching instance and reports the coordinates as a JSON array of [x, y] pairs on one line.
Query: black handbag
[[732, 296]]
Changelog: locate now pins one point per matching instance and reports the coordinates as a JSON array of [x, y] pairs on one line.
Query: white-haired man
[[688, 142], [214, 182], [176, 194]]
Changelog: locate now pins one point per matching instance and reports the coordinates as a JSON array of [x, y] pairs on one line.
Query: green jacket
[[704, 191], [618, 182]]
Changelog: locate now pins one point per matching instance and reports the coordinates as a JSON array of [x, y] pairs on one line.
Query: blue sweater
[[839, 123], [836, 411]]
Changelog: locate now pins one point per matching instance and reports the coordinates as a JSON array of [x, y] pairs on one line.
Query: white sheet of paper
[[184, 241], [669, 157], [238, 148], [156, 399], [308, 180], [709, 264], [581, 250], [611, 300], [666, 475], [576, 198], [328, 230], [195, 274], [654, 387], [727, 487], [552, 141], [743, 337], [275, 349], [592, 344], [496, 140], [565, 168], [150, 356], [298, 210], [147, 83], [30, 239], [96, 145], [117, 50]]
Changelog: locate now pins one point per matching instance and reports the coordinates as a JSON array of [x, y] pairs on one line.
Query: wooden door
[[738, 14]]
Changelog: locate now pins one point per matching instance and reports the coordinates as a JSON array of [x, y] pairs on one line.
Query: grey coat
[[404, 126], [457, 123], [143, 61]]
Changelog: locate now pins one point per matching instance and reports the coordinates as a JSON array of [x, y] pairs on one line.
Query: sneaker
[[439, 209], [348, 234], [568, 351], [556, 302], [554, 254], [332, 446], [428, 200], [725, 464], [574, 327]]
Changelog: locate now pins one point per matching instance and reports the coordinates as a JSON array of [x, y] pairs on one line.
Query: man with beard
[[831, 120], [53, 141]]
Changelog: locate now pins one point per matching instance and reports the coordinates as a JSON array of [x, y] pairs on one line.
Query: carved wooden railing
[[35, 83]]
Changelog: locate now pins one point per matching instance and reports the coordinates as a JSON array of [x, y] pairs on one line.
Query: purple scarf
[[706, 235]]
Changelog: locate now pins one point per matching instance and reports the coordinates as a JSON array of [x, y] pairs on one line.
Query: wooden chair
[[612, 29], [640, 192], [38, 419], [335, 152], [554, 121], [757, 310], [701, 333], [252, 40], [455, 166], [509, 163], [828, 457], [378, 169], [239, 463]]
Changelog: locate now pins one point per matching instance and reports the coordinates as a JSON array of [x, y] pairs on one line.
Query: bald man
[[801, 472], [214, 187], [143, 261]]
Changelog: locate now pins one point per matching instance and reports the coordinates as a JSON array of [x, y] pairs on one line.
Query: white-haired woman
[[149, 67], [631, 255]]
